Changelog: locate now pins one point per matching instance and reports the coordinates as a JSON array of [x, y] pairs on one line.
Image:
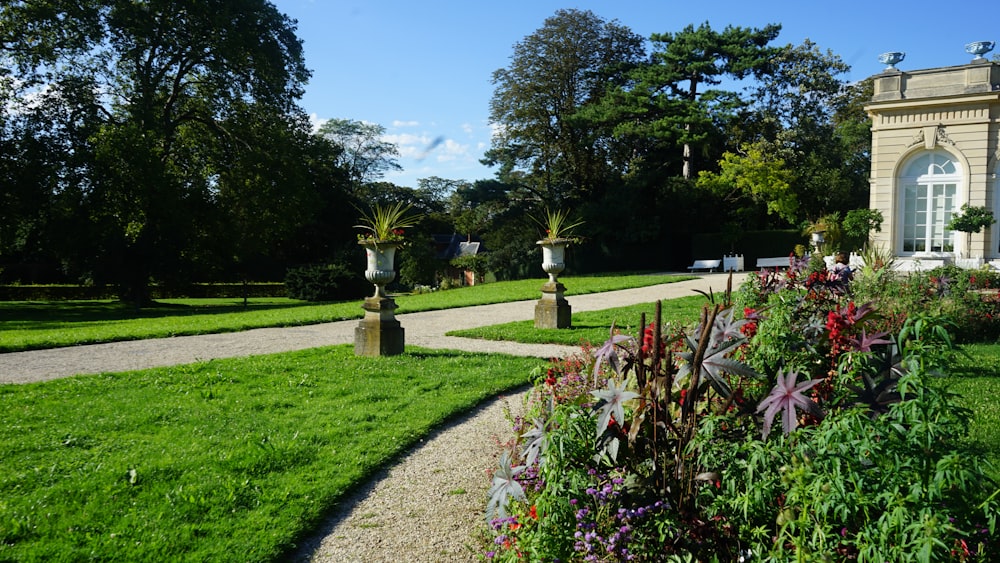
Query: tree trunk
[[687, 158]]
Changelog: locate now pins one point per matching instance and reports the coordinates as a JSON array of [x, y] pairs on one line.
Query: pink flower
[[785, 396]]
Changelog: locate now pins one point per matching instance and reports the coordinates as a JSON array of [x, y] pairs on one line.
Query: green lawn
[[591, 326], [217, 461], [977, 379], [34, 325]]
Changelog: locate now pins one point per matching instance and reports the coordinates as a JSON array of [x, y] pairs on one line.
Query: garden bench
[[777, 262], [709, 265]]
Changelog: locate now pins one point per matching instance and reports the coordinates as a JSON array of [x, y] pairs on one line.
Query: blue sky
[[422, 68]]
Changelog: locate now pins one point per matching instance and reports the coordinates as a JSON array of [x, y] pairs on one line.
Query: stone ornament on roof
[[979, 48], [891, 59]]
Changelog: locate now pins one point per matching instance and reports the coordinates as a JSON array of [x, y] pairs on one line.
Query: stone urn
[[379, 333], [552, 310], [891, 59], [380, 270], [553, 256], [979, 48]]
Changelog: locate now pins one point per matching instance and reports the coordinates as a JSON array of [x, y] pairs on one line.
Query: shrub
[[324, 282], [967, 301]]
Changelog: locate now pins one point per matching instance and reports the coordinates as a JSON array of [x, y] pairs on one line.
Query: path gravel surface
[[428, 507]]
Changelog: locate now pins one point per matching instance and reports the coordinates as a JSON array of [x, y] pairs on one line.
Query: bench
[[777, 262], [709, 265]]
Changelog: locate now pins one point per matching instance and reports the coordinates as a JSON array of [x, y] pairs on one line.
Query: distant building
[[448, 247], [936, 146]]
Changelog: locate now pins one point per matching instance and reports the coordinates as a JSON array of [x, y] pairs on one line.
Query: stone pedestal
[[552, 310], [379, 333]]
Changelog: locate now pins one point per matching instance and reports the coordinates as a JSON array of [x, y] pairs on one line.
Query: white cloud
[[316, 122], [451, 151], [467, 128], [398, 123], [409, 144]]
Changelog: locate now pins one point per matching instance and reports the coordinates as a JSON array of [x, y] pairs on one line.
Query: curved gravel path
[[442, 481]]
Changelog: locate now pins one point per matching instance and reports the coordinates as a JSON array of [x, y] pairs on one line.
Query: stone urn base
[[552, 310], [379, 333]]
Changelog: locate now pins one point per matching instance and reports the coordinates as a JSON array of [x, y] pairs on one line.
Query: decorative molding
[[931, 137], [942, 136], [967, 113]]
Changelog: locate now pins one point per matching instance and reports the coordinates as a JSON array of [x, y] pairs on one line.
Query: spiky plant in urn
[[379, 333], [552, 310]]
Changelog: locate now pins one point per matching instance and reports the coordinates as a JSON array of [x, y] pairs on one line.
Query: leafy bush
[[324, 282], [967, 301], [802, 431]]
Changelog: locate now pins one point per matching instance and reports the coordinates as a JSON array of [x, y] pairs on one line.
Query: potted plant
[[971, 219], [824, 233], [385, 228], [558, 235]]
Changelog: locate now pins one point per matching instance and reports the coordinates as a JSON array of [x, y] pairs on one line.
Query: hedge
[[79, 292]]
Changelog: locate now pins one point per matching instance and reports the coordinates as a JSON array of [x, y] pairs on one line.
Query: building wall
[[956, 109]]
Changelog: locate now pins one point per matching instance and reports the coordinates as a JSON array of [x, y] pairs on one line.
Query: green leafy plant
[[557, 225], [874, 463], [387, 223], [971, 219], [858, 225], [324, 282]]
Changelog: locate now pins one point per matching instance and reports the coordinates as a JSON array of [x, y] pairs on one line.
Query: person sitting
[[842, 268]]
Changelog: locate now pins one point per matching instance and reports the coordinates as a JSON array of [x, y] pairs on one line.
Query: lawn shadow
[[42, 314]]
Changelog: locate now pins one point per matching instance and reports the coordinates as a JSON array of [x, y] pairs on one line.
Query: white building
[[936, 146]]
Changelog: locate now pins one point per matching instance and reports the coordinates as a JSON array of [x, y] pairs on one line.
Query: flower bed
[[807, 428]]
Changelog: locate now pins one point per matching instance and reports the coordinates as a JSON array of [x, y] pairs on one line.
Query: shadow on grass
[[40, 314], [977, 360]]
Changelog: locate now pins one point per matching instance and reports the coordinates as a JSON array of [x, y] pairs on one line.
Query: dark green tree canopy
[[157, 93], [564, 66], [671, 98]]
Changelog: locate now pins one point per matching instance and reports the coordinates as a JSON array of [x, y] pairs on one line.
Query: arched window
[[929, 197]]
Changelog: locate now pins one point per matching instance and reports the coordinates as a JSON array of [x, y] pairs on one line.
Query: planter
[[553, 256], [891, 59], [552, 310], [381, 257], [379, 333], [970, 263], [979, 48]]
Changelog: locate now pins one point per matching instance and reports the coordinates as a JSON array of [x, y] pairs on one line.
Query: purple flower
[[609, 353], [611, 403], [785, 396], [865, 343]]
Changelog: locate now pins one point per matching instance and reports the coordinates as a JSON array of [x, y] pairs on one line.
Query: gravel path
[[430, 505]]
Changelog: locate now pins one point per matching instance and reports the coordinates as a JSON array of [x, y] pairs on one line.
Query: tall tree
[[805, 113], [672, 97], [554, 73], [365, 154], [166, 76]]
